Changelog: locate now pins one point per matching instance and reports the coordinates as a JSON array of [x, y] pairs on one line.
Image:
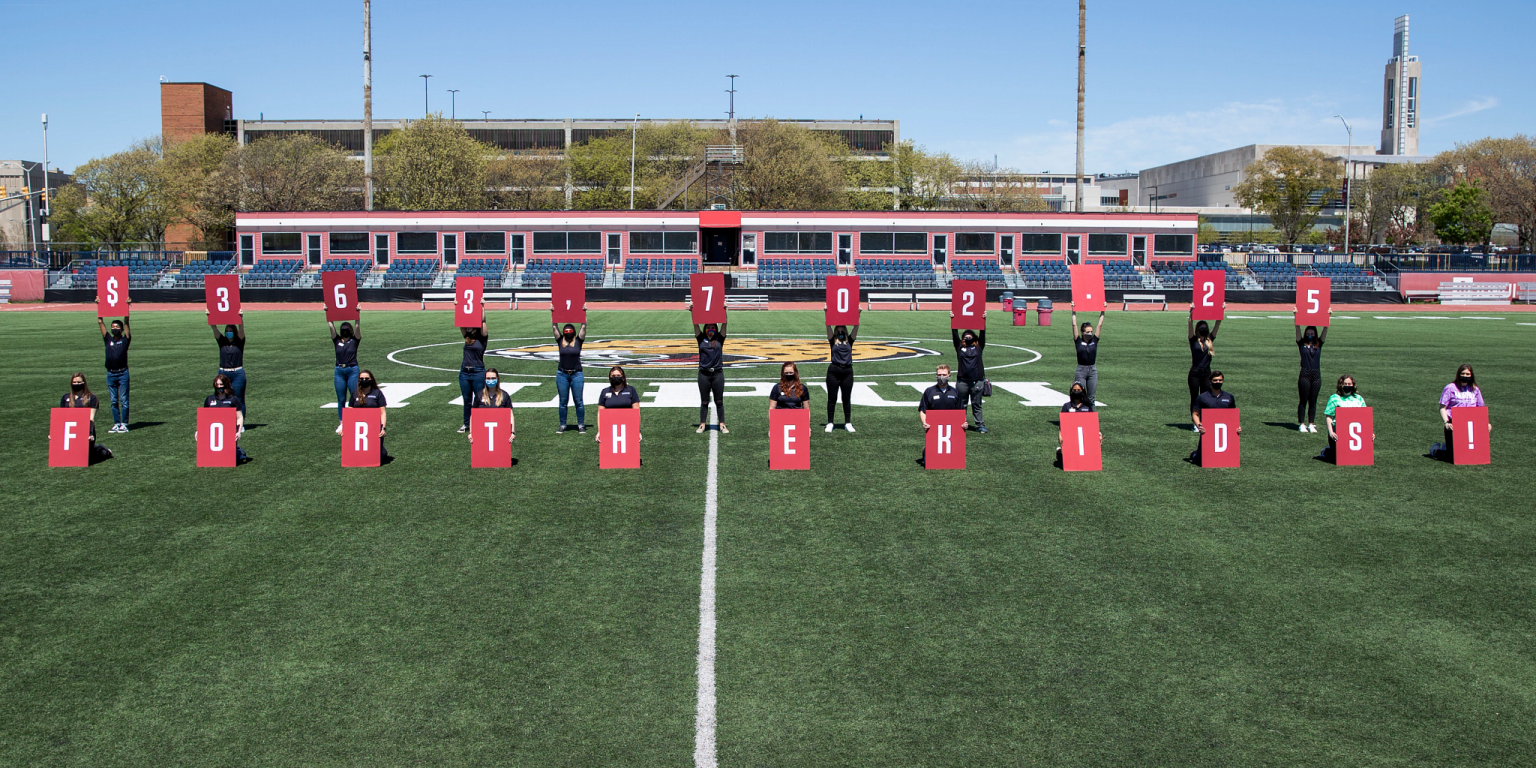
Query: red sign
[[618, 433], [112, 292], [468, 298], [69, 437], [1312, 298], [568, 296], [968, 301], [843, 300], [1080, 442], [490, 438], [222, 293], [360, 437], [1219, 445], [340, 290], [945, 440], [1088, 287], [789, 438], [1356, 430], [216, 434], [708, 293], [1210, 294], [1469, 435]]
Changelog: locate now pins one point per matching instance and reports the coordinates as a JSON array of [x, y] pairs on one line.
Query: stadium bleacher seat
[[411, 273], [493, 270], [895, 273], [274, 273], [144, 267], [776, 272], [1045, 273], [361, 267], [191, 275], [977, 269], [656, 272], [538, 270]]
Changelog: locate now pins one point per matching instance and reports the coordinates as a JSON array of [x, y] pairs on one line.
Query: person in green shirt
[[1344, 396]]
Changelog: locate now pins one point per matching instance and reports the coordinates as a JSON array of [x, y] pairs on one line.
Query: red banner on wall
[[568, 296], [112, 292], [1080, 450], [1087, 287], [618, 432], [1210, 294], [69, 437], [1219, 444], [216, 433], [490, 436], [945, 440], [1356, 431], [789, 438], [340, 290], [222, 294], [843, 300], [360, 437]]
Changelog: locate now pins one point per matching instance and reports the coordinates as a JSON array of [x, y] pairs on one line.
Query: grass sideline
[[289, 612]]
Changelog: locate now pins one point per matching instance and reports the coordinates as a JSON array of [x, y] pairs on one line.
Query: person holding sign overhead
[[368, 395], [80, 396], [570, 380], [224, 397], [231, 341], [1202, 349], [1463, 392], [472, 365], [1344, 396], [973, 373], [1213, 398], [345, 339], [1086, 339], [711, 339], [116, 341], [840, 339], [1310, 343]]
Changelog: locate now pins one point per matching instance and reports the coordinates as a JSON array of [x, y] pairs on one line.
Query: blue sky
[[1166, 80]]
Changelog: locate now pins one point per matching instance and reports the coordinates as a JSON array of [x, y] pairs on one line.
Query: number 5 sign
[[340, 295], [1312, 297], [468, 298], [708, 294], [568, 294], [222, 292], [843, 300], [968, 302]]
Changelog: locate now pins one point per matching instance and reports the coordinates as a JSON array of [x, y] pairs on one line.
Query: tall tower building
[[1400, 102]]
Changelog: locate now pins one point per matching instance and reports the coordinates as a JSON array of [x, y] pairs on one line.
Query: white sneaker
[[463, 428], [829, 427], [1194, 429], [1312, 428], [848, 426], [1301, 427], [338, 429]]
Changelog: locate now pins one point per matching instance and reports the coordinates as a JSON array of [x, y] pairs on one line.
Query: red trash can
[[1044, 312], [1020, 312]]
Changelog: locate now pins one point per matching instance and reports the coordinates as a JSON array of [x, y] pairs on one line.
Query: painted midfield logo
[[684, 352]]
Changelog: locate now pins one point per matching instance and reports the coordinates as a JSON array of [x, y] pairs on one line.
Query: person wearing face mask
[[840, 371], [80, 396], [1086, 339], [224, 397], [368, 395], [345, 339], [1078, 401], [790, 392], [711, 373], [618, 394], [1310, 343], [491, 395], [939, 397], [570, 381], [1202, 349], [1212, 398], [231, 343], [1344, 396], [116, 340], [472, 366], [968, 347], [1461, 393]]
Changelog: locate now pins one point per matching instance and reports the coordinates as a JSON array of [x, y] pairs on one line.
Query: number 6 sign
[[843, 300], [222, 292], [568, 294], [340, 290], [708, 294], [468, 295], [968, 302]]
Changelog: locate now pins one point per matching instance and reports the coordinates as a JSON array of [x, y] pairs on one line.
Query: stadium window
[[518, 253], [682, 242], [1111, 244], [1033, 243], [349, 242], [1109, 199], [281, 242], [797, 242], [485, 242], [974, 242], [567, 242], [416, 242], [893, 242], [1180, 244], [664, 242]]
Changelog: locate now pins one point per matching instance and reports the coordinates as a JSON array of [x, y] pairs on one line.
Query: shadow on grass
[[144, 425], [1289, 426]]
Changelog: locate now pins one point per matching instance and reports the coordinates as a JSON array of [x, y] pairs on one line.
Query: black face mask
[[569, 334], [616, 381], [365, 382], [346, 333], [842, 334], [1077, 395], [1464, 379], [1348, 390], [77, 387], [790, 375], [117, 333], [1216, 386], [969, 340]]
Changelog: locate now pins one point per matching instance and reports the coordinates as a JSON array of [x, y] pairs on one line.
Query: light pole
[[731, 115], [634, 133], [1082, 59], [486, 113], [367, 105], [453, 104], [47, 206], [1349, 151], [426, 100]]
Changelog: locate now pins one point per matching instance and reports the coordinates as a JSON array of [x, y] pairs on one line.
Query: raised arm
[[1322, 333], [357, 327], [981, 338], [1191, 321], [332, 325], [1298, 333], [1076, 334], [240, 327], [954, 334], [127, 329], [853, 333], [1099, 330], [581, 328], [698, 331], [556, 327], [217, 334]]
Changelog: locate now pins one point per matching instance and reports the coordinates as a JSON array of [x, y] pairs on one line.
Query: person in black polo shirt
[[345, 339], [1202, 350], [570, 379], [1214, 397], [493, 396], [1086, 338], [789, 392], [224, 397], [711, 373], [231, 343], [80, 396], [472, 366], [840, 371], [1078, 401], [116, 341], [618, 394], [968, 347], [939, 397], [1309, 343], [368, 395]]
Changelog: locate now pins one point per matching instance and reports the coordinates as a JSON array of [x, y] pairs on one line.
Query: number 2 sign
[[469, 302], [1210, 294], [708, 293], [340, 289], [843, 300], [968, 302], [222, 293], [568, 294]]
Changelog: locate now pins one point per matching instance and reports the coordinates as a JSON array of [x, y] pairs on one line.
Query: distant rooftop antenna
[[732, 114]]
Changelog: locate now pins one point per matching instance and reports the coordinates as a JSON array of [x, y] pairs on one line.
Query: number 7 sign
[[468, 302], [1312, 297], [340, 290], [708, 293], [968, 302], [568, 294]]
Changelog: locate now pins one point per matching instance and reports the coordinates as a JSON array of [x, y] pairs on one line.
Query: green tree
[[1391, 199], [121, 198], [1462, 216], [788, 167], [188, 168], [1290, 185], [290, 173], [599, 171], [431, 164], [980, 187], [1207, 234], [1505, 169], [527, 181]]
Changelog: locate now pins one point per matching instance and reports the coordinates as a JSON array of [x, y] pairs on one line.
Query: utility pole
[[731, 120], [453, 109], [47, 206], [1082, 57], [426, 99], [367, 105], [634, 133], [1351, 133]]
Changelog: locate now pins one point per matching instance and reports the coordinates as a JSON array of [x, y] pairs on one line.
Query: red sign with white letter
[[1356, 431], [618, 432], [340, 295], [222, 293], [468, 293], [1080, 442], [360, 437], [968, 300], [1210, 294], [1312, 298], [1088, 287], [843, 300], [112, 292], [1469, 434], [69, 437], [568, 294], [490, 431], [216, 434], [708, 293], [789, 438], [945, 440], [1219, 445]]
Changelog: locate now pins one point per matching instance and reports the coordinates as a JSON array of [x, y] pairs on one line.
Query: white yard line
[[704, 755]]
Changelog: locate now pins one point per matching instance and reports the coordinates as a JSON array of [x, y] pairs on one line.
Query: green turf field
[[870, 613]]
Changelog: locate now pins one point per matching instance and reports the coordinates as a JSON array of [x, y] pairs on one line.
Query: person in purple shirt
[[1461, 393]]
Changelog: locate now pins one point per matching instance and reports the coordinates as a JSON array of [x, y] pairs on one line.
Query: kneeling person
[[1214, 398], [224, 397], [1078, 402], [939, 397]]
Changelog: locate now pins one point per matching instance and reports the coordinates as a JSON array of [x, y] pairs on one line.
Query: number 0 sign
[[708, 294], [843, 300], [340, 289], [968, 301], [568, 294]]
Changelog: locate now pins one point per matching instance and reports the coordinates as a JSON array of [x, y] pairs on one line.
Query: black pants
[[1199, 381], [712, 381], [1307, 386], [840, 379]]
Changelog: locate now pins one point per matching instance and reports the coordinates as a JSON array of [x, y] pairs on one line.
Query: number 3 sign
[[222, 293], [468, 302]]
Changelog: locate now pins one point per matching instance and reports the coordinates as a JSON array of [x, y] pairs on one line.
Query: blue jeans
[[117, 390], [572, 384], [471, 384], [346, 384], [237, 383]]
